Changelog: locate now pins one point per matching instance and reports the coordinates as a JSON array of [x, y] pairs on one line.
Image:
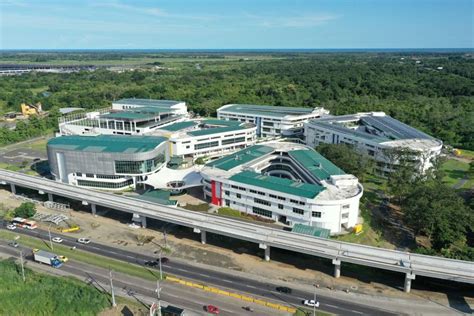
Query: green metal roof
[[278, 184], [310, 230], [179, 126], [241, 157], [312, 161], [150, 109], [267, 110], [127, 115], [221, 122], [157, 196], [148, 102], [215, 130], [107, 143]]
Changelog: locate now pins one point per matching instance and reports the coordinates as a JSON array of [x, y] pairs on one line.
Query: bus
[[21, 222]]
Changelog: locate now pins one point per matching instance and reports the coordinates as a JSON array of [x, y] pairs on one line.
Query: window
[[266, 129], [262, 212], [79, 174], [298, 211], [105, 185], [316, 214], [89, 175], [294, 201], [263, 202], [282, 198], [187, 147], [233, 140], [253, 191], [346, 206], [239, 196], [206, 145], [267, 123], [273, 196], [345, 215], [141, 166], [280, 206], [227, 193], [302, 203]]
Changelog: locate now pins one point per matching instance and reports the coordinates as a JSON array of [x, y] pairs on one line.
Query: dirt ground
[[111, 227]]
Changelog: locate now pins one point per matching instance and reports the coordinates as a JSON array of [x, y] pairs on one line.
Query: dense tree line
[[438, 101]]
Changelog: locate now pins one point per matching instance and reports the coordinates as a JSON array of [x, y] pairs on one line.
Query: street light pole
[[158, 290], [161, 272], [50, 241], [112, 292], [22, 267]]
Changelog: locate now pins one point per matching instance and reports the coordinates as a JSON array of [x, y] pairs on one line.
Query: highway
[[193, 300], [222, 280], [404, 262]]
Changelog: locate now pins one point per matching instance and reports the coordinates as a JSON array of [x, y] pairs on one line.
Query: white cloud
[[294, 21]]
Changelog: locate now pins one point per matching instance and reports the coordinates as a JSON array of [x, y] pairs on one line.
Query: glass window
[[316, 214], [262, 212], [105, 185], [298, 211]]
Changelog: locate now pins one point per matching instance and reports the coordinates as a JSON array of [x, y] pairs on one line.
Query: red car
[[212, 309]]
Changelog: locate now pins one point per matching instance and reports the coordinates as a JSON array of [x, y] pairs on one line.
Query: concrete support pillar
[[203, 237], [337, 267], [93, 209], [267, 253], [143, 218], [12, 187], [50, 197], [408, 278]]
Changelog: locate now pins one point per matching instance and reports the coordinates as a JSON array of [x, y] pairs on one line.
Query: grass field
[[42, 294], [100, 261], [455, 171]]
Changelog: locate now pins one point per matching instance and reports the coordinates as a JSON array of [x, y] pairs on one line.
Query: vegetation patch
[[42, 294]]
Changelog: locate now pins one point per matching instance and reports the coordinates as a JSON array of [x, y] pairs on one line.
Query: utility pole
[[112, 289], [161, 272], [50, 241], [22, 267], [158, 290]]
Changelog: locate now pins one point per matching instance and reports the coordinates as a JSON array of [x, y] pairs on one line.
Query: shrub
[[26, 210]]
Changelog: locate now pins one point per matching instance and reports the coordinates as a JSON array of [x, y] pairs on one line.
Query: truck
[[48, 258]]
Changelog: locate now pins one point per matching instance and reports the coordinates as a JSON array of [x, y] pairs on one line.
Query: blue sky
[[181, 24]]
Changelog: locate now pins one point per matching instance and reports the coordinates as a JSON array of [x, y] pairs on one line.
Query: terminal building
[[287, 182], [375, 134], [207, 137], [126, 117], [108, 162], [271, 121]]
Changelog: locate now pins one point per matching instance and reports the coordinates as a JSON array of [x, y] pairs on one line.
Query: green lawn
[[455, 171], [227, 211], [42, 294], [86, 257]]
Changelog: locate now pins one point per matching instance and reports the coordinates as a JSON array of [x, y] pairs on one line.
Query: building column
[[408, 278], [50, 197], [267, 251], [203, 237], [12, 187], [143, 218], [337, 267], [93, 209]]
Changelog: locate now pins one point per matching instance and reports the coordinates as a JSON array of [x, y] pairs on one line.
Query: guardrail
[[393, 260]]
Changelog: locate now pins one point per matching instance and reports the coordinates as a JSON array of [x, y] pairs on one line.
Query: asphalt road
[[143, 291], [226, 280]]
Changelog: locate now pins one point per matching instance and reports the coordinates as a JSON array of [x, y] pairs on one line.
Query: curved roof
[[107, 143]]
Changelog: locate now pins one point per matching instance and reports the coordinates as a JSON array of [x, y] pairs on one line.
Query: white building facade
[[285, 182], [271, 121], [378, 135]]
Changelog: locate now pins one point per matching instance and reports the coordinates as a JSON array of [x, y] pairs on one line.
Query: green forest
[[431, 91]]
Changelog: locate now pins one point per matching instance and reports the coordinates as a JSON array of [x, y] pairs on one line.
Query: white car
[[311, 303], [57, 239], [11, 227], [84, 240]]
